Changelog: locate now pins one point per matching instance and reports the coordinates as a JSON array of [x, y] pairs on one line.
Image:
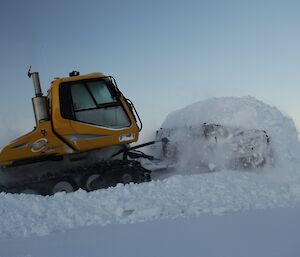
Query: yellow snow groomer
[[80, 125]]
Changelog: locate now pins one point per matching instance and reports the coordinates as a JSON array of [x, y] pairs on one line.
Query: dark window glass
[[94, 103], [100, 92], [82, 99]]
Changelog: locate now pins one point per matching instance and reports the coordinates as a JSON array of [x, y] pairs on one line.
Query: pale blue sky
[[164, 54]]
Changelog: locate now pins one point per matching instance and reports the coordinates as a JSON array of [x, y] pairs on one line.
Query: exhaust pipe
[[36, 84], [39, 102]]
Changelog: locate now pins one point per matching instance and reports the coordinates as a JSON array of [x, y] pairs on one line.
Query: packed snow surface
[[183, 194], [259, 233]]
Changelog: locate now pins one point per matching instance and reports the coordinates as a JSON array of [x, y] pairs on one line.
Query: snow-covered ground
[[178, 196], [267, 233], [222, 213]]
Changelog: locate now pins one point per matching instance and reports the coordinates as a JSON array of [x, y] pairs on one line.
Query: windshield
[[96, 102]]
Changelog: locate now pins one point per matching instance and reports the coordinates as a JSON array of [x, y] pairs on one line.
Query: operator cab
[[93, 101]]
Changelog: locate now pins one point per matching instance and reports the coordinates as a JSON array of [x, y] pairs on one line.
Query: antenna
[[29, 72]]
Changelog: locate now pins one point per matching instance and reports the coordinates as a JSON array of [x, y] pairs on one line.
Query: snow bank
[[178, 196]]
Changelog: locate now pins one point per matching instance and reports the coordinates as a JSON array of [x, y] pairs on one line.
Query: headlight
[[126, 137]]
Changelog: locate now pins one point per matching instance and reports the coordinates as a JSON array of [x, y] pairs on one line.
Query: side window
[[81, 97], [100, 92]]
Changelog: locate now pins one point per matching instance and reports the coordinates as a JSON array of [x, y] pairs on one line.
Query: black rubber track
[[112, 171]]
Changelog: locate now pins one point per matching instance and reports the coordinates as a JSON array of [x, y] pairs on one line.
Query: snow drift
[[177, 196]]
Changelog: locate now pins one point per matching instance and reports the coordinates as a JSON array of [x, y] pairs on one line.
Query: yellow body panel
[[60, 136], [38, 143]]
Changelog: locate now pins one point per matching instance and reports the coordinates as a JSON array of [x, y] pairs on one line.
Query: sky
[[164, 54]]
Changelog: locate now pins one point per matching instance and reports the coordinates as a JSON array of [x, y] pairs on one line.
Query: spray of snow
[[12, 129], [233, 112]]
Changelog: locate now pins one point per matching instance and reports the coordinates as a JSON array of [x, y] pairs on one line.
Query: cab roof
[[79, 77], [93, 75]]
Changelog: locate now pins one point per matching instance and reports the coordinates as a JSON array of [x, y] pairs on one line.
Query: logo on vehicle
[[39, 145]]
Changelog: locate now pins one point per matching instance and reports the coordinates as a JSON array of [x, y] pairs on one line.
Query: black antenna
[[29, 72]]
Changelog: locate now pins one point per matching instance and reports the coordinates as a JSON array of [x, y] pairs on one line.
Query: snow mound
[[178, 196], [243, 113]]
